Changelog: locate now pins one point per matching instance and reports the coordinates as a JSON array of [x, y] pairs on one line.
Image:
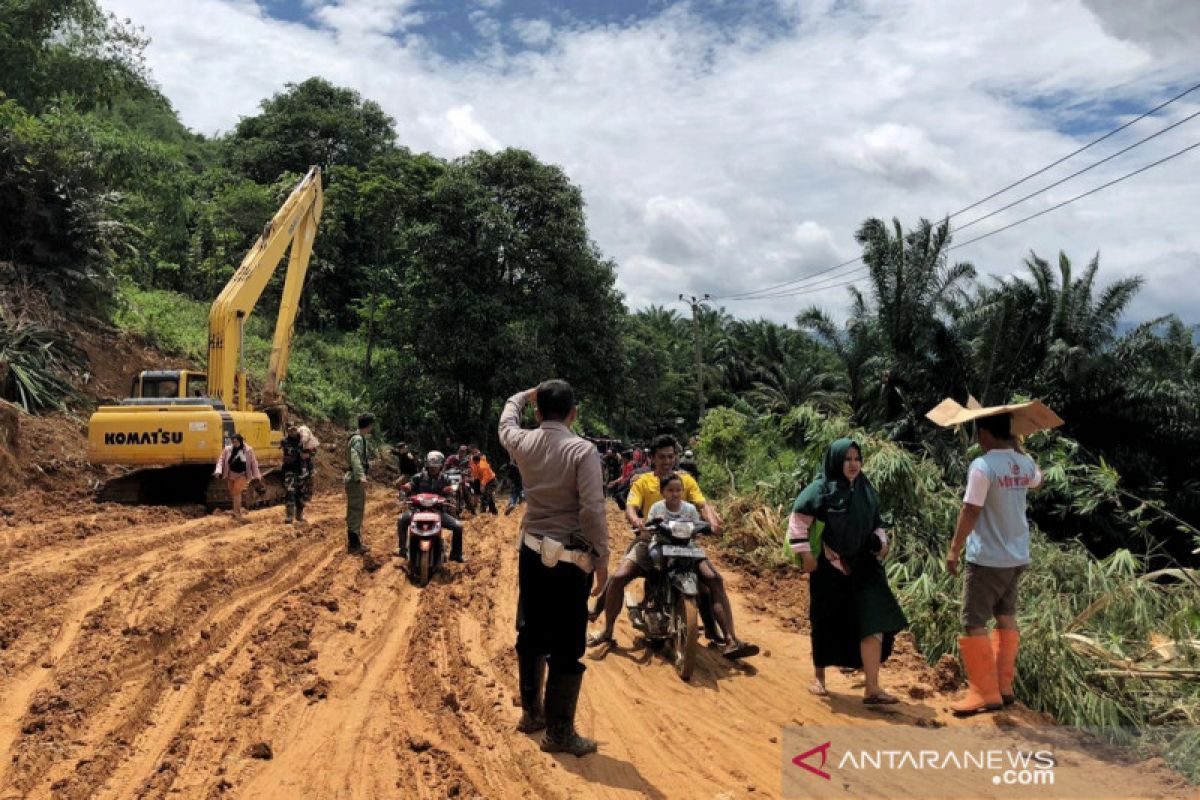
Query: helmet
[[435, 458]]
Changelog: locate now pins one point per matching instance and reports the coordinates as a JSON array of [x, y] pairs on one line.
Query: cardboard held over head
[[1027, 418]]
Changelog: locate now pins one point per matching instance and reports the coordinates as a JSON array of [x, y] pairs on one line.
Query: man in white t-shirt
[[993, 525]]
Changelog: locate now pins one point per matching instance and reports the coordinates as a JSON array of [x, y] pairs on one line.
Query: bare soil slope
[[150, 652]]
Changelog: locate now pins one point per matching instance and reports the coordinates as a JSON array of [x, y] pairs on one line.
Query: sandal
[[599, 638], [735, 650], [818, 688], [881, 699]]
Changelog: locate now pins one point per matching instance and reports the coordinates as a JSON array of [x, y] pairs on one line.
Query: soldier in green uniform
[[299, 460], [356, 482]]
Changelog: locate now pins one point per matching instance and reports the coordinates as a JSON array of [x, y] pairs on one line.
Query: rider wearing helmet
[[431, 480]]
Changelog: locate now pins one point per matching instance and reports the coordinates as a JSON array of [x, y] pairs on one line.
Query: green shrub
[[35, 364]]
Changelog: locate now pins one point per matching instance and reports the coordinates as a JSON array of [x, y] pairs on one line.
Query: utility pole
[[695, 303]]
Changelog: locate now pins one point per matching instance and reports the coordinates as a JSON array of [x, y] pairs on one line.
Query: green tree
[[56, 211], [505, 288], [363, 248], [309, 123], [51, 49]]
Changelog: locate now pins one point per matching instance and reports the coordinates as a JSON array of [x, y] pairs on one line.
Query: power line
[[1077, 173], [1073, 153], [1023, 220], [748, 295], [1088, 193]]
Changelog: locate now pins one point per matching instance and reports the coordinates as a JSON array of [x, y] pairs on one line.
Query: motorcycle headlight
[[681, 530]]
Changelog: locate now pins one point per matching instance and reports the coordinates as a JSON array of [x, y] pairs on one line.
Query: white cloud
[[353, 19], [721, 159], [485, 25], [900, 154], [533, 32], [461, 132], [683, 230]]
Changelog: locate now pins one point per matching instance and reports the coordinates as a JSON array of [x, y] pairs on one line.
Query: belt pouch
[[551, 551]]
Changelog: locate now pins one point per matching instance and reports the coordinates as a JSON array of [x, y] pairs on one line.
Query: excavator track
[[191, 484]]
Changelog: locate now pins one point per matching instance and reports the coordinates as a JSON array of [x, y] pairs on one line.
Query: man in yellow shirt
[[644, 493]]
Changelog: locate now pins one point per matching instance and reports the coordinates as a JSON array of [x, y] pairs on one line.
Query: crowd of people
[[836, 529]]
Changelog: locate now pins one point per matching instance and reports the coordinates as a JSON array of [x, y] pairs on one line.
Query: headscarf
[[850, 511]]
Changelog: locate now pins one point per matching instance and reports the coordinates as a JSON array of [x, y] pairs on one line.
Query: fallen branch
[[1151, 674]]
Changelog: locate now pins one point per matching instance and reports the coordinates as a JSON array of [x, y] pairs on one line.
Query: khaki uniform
[[564, 492], [356, 491]]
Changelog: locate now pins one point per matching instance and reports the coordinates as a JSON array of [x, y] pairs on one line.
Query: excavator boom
[[294, 224]]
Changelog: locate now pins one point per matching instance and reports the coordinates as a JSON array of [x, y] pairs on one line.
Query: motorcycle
[[426, 545], [461, 482], [668, 611]]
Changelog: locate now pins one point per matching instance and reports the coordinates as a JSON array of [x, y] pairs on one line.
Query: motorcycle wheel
[[423, 567], [687, 632]]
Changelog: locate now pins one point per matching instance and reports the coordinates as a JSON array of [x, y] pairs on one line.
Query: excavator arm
[[295, 224]]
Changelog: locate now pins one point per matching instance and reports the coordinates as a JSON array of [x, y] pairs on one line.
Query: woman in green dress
[[853, 614]]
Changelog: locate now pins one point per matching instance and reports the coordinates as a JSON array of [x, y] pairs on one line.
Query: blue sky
[[454, 31], [724, 146]]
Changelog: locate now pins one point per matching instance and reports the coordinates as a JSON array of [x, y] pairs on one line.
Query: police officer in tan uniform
[[563, 553]]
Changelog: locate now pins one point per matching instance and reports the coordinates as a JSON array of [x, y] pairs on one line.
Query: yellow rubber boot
[[983, 692], [1004, 645]]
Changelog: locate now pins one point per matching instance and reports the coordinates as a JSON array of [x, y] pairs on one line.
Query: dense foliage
[[469, 278]]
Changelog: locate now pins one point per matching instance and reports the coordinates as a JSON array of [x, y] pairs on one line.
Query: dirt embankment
[[149, 652]]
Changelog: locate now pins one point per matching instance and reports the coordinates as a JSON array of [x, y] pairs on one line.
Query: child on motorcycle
[[673, 508]]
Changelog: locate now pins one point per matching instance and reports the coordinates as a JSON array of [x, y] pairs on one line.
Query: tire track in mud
[[176, 647], [34, 664], [162, 729], [35, 587], [118, 659]]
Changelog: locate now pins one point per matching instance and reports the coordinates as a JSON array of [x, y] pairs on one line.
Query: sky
[[724, 146]]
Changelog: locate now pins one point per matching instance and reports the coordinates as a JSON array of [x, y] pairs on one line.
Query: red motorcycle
[[426, 545]]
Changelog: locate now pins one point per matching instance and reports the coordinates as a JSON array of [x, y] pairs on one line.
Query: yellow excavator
[[175, 423]]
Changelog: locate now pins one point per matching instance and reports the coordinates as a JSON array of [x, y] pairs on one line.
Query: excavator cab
[[166, 384]]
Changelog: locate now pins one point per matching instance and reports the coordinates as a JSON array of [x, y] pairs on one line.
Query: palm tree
[[1047, 335], [1133, 399], [901, 350], [860, 354]]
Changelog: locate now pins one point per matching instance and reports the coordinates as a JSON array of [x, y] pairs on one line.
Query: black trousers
[[487, 499], [552, 613]]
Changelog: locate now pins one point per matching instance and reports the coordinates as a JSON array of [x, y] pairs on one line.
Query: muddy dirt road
[[167, 653]]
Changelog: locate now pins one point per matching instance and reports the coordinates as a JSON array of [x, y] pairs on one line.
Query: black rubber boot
[[353, 543], [562, 695], [532, 670], [456, 553], [289, 512]]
